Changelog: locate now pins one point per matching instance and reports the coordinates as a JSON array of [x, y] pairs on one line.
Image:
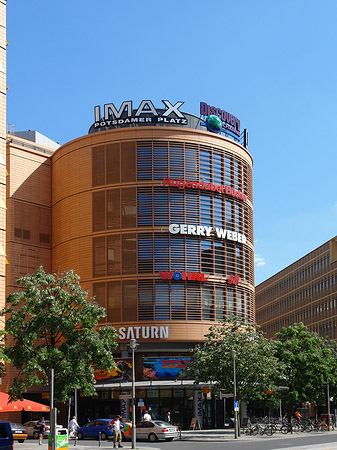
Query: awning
[[20, 405]]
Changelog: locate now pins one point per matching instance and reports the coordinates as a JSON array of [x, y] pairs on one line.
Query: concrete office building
[[305, 291], [153, 209]]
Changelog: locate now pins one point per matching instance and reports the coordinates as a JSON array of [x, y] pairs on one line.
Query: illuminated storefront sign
[[229, 122], [177, 275], [165, 368], [204, 185], [146, 113], [146, 332], [200, 230]]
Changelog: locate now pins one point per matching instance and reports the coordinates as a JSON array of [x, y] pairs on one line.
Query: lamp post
[[328, 395], [235, 409], [133, 345]]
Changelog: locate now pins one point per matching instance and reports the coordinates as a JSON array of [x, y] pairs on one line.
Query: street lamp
[[133, 345], [235, 408]]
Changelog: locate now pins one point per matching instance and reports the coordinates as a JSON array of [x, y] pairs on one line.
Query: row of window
[[300, 297], [301, 276], [326, 330], [129, 301], [149, 253], [130, 161], [148, 207]]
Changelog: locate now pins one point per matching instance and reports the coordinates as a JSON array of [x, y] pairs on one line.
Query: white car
[[156, 429], [33, 433]]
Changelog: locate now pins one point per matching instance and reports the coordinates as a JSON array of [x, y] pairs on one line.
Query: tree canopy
[[257, 367], [309, 361], [52, 323]]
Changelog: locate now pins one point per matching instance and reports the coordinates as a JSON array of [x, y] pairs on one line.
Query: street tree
[[257, 368], [309, 362], [51, 323]]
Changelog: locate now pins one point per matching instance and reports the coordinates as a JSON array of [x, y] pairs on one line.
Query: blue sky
[[271, 63]]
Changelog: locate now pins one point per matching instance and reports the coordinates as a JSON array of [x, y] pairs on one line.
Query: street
[[303, 441]]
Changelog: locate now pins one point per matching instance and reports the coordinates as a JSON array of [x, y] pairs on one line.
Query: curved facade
[[158, 221]]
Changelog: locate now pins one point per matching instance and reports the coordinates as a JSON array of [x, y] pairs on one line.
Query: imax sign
[[145, 113]]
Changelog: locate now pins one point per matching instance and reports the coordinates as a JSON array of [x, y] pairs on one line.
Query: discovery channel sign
[[145, 114]]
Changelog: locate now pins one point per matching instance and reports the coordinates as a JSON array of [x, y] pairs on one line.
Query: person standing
[[73, 425], [41, 426], [117, 425]]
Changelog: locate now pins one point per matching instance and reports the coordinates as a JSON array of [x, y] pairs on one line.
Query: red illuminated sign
[[203, 185], [177, 275], [233, 279]]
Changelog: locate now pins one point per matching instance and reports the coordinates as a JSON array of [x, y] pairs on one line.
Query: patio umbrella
[[19, 405]]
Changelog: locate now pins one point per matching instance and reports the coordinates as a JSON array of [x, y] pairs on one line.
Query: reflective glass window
[[114, 255], [145, 207], [220, 303], [205, 210], [99, 260], [145, 300], [113, 208], [98, 166], [114, 302], [160, 160], [192, 208], [129, 207], [206, 256], [162, 301], [129, 305], [192, 254], [129, 247], [144, 160], [160, 202], [176, 160], [207, 302], [205, 165], [191, 162], [217, 169], [217, 212], [178, 307], [193, 301], [176, 206], [161, 253], [145, 253]]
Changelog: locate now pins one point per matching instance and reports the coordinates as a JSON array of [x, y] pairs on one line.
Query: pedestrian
[[169, 417], [40, 426], [147, 416], [117, 426], [73, 425]]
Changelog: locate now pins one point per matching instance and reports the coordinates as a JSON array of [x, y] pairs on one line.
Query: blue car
[[93, 428]]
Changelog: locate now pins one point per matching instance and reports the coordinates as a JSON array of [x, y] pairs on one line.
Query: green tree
[[309, 361], [51, 323], [257, 368]]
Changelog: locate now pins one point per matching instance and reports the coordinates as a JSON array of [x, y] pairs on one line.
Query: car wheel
[[152, 437], [79, 435], [103, 436], [36, 435], [169, 439], [21, 441]]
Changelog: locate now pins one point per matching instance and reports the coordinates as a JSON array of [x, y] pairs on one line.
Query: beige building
[[305, 291]]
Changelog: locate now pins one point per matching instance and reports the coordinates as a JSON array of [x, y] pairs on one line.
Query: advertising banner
[[165, 368], [122, 372]]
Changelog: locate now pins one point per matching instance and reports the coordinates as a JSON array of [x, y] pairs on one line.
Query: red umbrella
[[19, 405]]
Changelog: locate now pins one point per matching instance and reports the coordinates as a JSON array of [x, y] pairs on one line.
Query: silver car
[[32, 431], [156, 429]]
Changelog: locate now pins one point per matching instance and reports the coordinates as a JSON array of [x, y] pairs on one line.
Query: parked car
[[156, 429], [6, 436], [33, 433], [19, 432], [93, 428]]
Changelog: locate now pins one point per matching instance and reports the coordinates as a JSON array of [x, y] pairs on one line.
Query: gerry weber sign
[[146, 113]]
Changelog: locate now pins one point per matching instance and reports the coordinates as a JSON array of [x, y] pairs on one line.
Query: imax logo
[[145, 107]]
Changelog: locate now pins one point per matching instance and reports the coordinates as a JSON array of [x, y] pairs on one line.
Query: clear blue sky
[[271, 63]]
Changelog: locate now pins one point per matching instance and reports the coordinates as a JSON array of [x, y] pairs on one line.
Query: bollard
[[99, 439], [75, 436]]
